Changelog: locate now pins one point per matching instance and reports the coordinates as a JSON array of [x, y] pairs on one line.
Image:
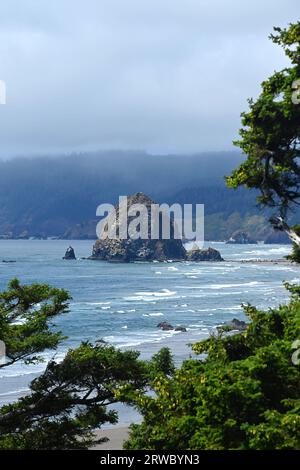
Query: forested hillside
[[42, 197]]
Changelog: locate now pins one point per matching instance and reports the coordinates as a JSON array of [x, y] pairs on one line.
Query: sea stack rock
[[70, 253], [112, 247], [241, 238], [209, 254]]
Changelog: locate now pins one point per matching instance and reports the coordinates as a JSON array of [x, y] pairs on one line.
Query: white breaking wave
[[151, 296], [158, 314], [222, 286], [164, 293], [15, 392], [19, 369], [226, 286], [235, 307], [97, 303], [139, 298], [265, 251], [295, 280], [192, 273], [142, 338]]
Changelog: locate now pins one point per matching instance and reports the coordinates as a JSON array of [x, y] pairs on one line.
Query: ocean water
[[123, 303]]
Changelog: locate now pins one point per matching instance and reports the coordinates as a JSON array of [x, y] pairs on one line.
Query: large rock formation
[[111, 247], [127, 250], [241, 238]]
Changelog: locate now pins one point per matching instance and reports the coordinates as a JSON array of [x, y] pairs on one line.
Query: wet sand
[[116, 438]]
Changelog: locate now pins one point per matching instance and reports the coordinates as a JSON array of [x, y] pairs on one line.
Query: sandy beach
[[116, 438]]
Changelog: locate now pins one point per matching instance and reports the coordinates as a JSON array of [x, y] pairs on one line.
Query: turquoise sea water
[[123, 303]]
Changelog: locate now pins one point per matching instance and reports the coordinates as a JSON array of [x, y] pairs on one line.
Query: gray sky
[[159, 75]]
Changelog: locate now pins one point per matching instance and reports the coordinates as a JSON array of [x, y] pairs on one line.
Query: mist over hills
[[58, 196]]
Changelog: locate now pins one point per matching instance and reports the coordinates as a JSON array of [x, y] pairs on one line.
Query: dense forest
[[50, 196]]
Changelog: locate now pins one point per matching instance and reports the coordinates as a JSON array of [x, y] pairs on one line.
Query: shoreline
[[260, 261], [117, 436]]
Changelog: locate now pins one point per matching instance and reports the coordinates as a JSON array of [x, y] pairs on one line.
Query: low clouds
[[164, 76]]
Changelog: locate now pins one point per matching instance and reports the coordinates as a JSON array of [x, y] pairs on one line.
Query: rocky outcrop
[[209, 254], [241, 238], [111, 247], [180, 328], [129, 250], [166, 326], [70, 254]]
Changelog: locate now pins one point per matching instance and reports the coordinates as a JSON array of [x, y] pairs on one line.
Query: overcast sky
[[159, 75]]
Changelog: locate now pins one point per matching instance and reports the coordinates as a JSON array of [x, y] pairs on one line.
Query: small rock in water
[[70, 253], [209, 254], [164, 325], [180, 328]]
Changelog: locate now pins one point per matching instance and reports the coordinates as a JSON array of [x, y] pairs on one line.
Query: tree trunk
[[279, 224]]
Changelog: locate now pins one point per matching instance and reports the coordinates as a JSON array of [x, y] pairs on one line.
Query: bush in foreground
[[69, 400], [244, 395]]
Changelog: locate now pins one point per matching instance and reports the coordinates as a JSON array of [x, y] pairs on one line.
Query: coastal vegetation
[[242, 392], [68, 401], [58, 196], [243, 395], [270, 139]]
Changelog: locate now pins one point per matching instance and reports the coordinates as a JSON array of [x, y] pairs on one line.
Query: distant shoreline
[[281, 261], [93, 239]]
